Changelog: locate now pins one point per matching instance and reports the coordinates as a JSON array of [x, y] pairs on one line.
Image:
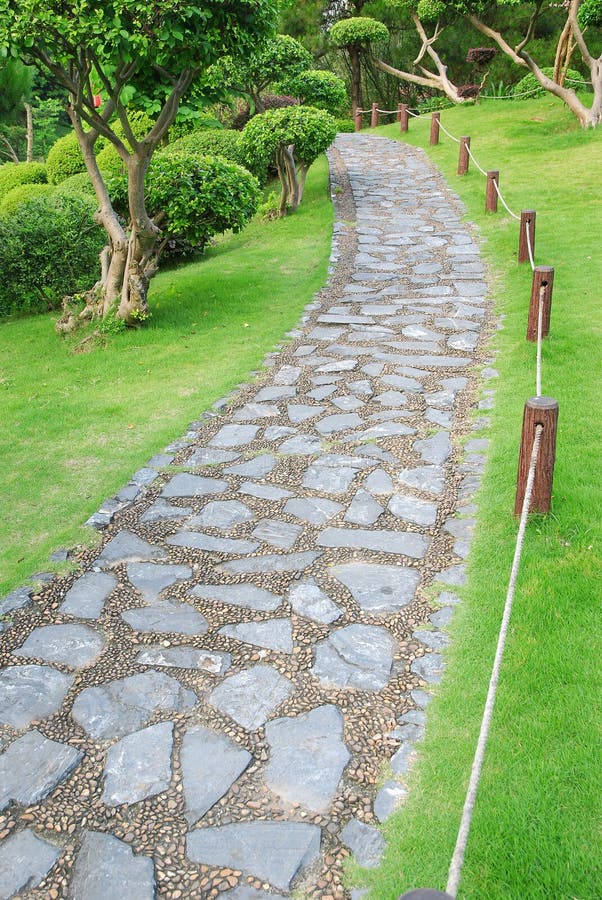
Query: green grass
[[535, 832], [76, 425]]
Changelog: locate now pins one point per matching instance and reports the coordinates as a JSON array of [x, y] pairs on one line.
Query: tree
[[355, 35], [319, 88], [291, 139], [116, 47], [279, 58], [15, 94]]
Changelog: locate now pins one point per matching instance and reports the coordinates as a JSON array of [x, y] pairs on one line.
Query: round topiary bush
[[49, 249], [222, 142], [199, 196], [14, 174], [530, 85], [64, 159], [75, 184], [319, 88], [358, 31], [21, 194]]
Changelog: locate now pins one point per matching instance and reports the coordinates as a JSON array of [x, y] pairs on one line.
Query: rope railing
[[535, 467], [457, 860]]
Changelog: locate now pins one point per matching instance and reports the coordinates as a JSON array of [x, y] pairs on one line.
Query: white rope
[[539, 341], [529, 247], [475, 161], [444, 129], [387, 112], [504, 204], [455, 868]]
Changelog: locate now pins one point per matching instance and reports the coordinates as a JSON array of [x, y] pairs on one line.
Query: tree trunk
[[356, 80], [29, 132]]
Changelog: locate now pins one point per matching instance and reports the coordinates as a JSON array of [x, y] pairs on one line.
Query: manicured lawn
[[535, 833], [76, 425]]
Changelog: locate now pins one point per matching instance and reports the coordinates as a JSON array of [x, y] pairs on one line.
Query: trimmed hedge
[[64, 159], [530, 84], [76, 184], [14, 174], [21, 194], [210, 142], [48, 249]]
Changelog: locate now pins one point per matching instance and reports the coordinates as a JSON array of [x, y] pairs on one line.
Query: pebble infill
[[226, 699]]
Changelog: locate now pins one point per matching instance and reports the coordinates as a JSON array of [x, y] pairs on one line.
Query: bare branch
[[578, 34]]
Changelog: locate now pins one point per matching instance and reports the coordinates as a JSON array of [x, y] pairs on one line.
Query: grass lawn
[[535, 832], [75, 426]]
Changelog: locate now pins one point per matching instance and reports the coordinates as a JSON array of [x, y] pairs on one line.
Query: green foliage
[[279, 58], [310, 130], [530, 85], [109, 161], [210, 142], [21, 194], [590, 13], [14, 174], [319, 88], [199, 197], [48, 248], [358, 31], [432, 104], [345, 125], [64, 159], [75, 184]]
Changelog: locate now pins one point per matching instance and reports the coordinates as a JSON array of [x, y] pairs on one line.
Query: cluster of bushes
[[205, 181]]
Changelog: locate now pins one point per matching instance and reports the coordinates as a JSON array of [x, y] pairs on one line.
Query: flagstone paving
[[227, 697]]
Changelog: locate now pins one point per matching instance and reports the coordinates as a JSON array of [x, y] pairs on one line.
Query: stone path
[[226, 699]]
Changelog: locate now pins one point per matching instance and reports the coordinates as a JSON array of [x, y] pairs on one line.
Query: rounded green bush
[[199, 196], [21, 194], [358, 31], [319, 88], [75, 184], [345, 126], [64, 159], [310, 130], [14, 174], [49, 249], [530, 85], [110, 162], [222, 142]]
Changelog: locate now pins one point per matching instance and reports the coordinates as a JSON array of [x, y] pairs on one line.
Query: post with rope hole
[[374, 117], [527, 221], [538, 411], [434, 139], [463, 158], [541, 288], [404, 116], [358, 119], [493, 178]]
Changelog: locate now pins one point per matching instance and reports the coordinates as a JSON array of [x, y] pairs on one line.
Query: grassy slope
[[534, 833], [75, 426]]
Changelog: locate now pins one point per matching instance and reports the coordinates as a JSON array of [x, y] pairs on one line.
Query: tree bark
[[29, 132], [356, 79]]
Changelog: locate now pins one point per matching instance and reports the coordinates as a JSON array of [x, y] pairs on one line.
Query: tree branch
[[578, 34]]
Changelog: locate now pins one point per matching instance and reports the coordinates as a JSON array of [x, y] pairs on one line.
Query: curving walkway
[[227, 699]]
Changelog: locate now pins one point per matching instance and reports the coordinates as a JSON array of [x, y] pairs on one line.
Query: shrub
[[110, 162], [21, 194], [48, 249], [64, 159], [210, 142], [358, 31], [319, 88], [75, 184], [345, 125], [270, 101], [14, 174], [530, 85], [198, 197]]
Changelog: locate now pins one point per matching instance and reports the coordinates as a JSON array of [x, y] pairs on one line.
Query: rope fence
[[536, 455]]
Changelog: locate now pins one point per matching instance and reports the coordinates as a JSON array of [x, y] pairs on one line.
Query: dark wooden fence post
[[527, 220], [435, 128], [404, 117], [374, 119], [538, 411], [493, 178], [399, 107], [463, 158], [543, 282], [358, 119]]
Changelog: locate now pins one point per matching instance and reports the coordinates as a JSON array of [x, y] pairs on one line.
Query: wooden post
[[404, 117], [435, 128], [538, 411], [464, 158], [358, 120], [493, 178], [543, 281], [527, 220], [374, 119], [399, 107]]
